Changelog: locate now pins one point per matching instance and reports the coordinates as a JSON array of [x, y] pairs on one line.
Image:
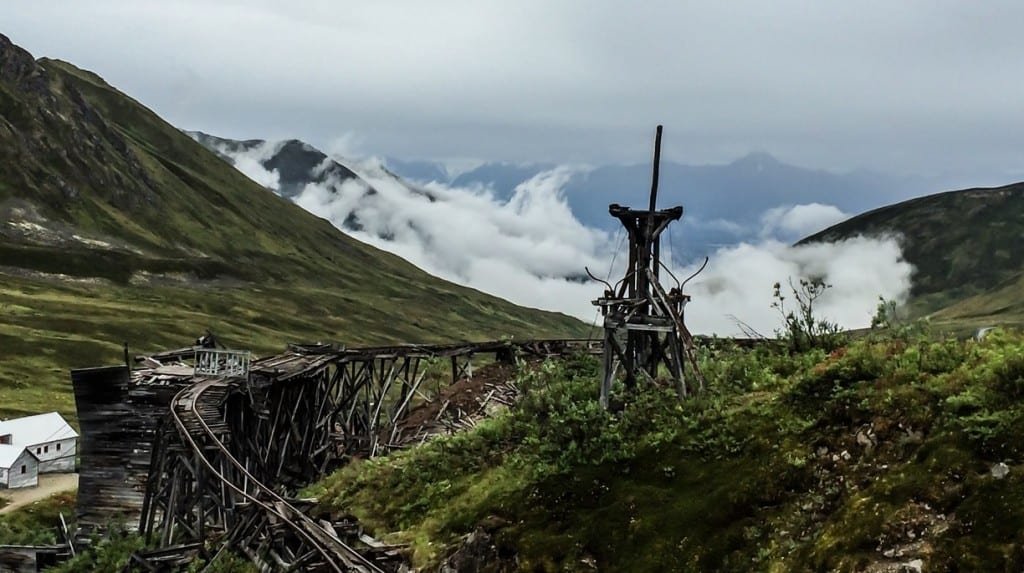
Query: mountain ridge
[[116, 227], [962, 243], [296, 162], [738, 193], [935, 286], [853, 191]]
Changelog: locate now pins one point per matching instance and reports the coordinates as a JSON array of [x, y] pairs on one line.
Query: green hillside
[[116, 227], [963, 244]]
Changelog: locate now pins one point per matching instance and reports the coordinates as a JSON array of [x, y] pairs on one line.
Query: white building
[[48, 437], [18, 467]]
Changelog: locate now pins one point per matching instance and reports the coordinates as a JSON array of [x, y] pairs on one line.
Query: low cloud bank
[[738, 282], [799, 221], [250, 163], [531, 250]]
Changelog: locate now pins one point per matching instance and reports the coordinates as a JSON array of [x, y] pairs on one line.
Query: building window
[[46, 449], [58, 446], [39, 450], [23, 469]]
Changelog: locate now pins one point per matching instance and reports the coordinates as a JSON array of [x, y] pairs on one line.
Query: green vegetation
[[227, 562], [36, 524], [110, 553], [884, 451], [115, 227], [1001, 305], [802, 329]]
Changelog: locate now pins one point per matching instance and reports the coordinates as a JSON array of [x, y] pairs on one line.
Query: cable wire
[[620, 235], [671, 247]]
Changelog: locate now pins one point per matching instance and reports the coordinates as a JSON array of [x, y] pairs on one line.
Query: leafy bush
[[802, 329], [110, 553], [226, 562], [36, 524]]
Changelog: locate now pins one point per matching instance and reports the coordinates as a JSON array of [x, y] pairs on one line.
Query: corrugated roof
[[38, 429], [9, 455]]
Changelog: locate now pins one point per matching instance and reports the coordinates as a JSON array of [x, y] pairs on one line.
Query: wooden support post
[[609, 366]]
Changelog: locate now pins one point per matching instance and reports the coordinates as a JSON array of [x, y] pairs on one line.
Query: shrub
[[110, 553], [802, 330]]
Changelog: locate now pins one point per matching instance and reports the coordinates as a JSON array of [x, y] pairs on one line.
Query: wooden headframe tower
[[643, 322]]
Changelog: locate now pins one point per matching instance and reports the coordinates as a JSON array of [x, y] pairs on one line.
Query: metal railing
[[222, 363]]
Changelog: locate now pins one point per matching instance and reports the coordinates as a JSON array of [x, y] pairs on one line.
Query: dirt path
[[49, 484]]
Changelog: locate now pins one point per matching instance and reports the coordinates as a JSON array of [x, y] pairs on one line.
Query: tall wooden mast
[[643, 322]]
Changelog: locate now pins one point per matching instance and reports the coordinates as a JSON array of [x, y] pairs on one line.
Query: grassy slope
[[764, 474], [48, 327], [231, 256], [36, 524], [961, 243], [1003, 304]]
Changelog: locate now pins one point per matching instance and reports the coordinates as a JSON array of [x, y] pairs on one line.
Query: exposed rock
[[1000, 470], [477, 554], [912, 566], [64, 149], [913, 436], [866, 439], [19, 68]]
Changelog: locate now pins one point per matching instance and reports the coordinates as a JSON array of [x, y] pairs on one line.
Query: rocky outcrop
[[56, 148], [19, 69]]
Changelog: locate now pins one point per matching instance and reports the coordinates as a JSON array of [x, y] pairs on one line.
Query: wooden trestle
[[230, 452]]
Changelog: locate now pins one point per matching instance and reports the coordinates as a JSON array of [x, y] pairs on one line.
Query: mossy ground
[[871, 456]]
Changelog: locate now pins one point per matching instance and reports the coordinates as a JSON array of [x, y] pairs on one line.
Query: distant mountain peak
[[757, 161]]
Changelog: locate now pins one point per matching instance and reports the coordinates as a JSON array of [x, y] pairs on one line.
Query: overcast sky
[[906, 86]]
